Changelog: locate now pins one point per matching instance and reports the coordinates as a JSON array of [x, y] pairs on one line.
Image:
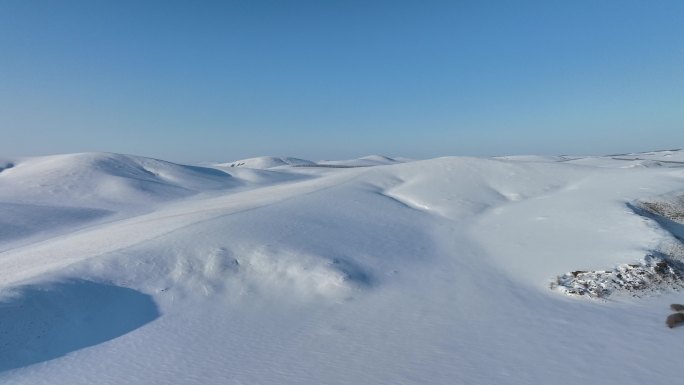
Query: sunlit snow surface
[[118, 269]]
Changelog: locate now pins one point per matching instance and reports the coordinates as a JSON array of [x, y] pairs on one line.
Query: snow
[[267, 162], [365, 161], [48, 321], [104, 180], [264, 162], [121, 269]]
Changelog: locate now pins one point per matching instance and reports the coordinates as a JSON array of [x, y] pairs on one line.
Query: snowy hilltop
[[122, 269]]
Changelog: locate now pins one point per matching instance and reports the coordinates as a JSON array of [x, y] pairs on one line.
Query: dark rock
[[675, 319]]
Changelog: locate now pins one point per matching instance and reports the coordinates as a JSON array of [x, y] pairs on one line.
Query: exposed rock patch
[[674, 320], [672, 210], [650, 276]]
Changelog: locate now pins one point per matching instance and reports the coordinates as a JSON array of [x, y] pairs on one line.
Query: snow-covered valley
[[118, 269]]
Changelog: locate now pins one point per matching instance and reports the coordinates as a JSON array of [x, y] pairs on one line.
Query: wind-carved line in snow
[[473, 207], [659, 162], [404, 202], [385, 189]]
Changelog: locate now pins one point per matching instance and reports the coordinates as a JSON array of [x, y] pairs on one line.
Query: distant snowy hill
[[45, 195], [104, 180], [557, 270], [264, 162], [370, 160]]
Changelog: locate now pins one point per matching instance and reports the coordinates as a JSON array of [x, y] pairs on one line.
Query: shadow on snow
[[43, 322]]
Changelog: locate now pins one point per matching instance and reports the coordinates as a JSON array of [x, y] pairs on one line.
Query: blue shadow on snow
[[44, 322]]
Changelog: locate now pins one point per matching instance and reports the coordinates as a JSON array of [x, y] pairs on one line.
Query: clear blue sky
[[198, 81]]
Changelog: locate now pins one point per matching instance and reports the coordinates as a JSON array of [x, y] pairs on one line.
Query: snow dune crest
[[460, 187]]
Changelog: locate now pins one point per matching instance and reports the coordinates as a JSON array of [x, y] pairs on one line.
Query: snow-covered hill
[[264, 162], [442, 271], [365, 161], [48, 195], [104, 180]]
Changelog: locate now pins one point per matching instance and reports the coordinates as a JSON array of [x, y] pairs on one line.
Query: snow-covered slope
[[426, 272], [48, 195], [104, 180]]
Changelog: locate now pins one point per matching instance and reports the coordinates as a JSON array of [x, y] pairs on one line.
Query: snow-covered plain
[[118, 269]]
